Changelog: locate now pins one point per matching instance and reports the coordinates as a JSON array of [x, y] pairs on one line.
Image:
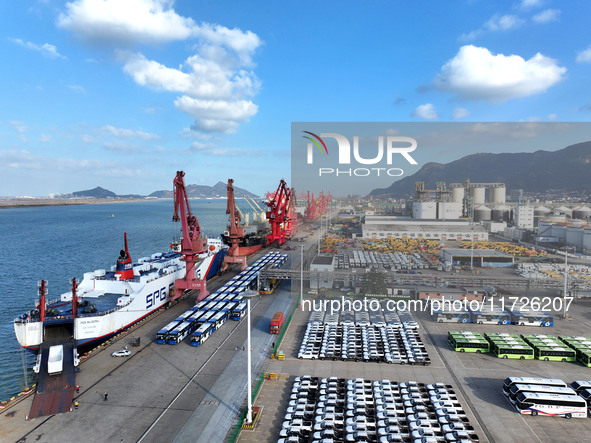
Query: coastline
[[17, 203], [7, 204]]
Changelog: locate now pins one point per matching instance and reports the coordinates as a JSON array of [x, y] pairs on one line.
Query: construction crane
[[290, 223], [312, 209], [192, 244], [257, 211], [235, 231], [276, 213]]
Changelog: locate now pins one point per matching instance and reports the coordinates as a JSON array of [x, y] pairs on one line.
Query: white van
[[55, 361]]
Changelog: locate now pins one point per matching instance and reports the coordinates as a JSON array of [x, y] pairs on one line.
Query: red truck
[[276, 322]]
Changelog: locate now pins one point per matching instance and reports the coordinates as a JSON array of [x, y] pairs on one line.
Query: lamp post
[[565, 282], [301, 274], [472, 249], [248, 294]]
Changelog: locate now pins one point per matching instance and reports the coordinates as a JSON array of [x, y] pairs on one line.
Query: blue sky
[[122, 93]]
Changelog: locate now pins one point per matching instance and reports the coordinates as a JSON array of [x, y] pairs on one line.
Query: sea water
[[58, 243]]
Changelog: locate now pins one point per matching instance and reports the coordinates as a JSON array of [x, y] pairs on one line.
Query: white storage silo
[[564, 210], [478, 196], [498, 196], [541, 211], [581, 212], [500, 213], [482, 213], [457, 194]]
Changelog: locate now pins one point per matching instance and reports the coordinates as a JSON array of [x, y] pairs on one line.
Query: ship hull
[[249, 244], [135, 300]]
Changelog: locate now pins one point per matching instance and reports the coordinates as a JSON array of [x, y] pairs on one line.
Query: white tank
[[500, 213], [581, 212], [449, 210], [564, 210], [482, 213], [478, 196], [541, 211], [498, 196], [457, 194], [424, 210]]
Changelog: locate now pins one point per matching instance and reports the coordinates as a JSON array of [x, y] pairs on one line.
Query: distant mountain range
[[194, 191], [568, 169]]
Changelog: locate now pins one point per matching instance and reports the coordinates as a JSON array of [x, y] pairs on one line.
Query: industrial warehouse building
[[380, 226], [325, 266], [575, 233], [480, 258]]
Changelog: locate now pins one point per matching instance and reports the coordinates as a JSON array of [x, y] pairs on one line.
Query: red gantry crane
[[236, 232], [290, 222], [192, 244], [276, 213]]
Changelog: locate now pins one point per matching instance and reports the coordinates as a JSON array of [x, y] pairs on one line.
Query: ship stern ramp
[[55, 393]]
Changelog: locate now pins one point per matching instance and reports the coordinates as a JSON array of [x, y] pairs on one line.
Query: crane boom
[[276, 213], [192, 244], [236, 232]]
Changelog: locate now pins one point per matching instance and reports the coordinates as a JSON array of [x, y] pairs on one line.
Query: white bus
[[517, 388], [510, 381], [535, 403], [580, 385]]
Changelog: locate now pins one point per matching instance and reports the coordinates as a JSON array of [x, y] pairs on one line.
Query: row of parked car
[[379, 317], [368, 343], [386, 260], [336, 410]]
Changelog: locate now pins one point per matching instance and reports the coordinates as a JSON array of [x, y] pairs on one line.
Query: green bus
[[546, 344], [555, 353], [584, 357], [520, 351], [468, 343], [541, 339]]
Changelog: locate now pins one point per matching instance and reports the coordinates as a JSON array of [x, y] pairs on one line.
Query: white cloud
[[503, 22], [216, 82], [77, 88], [223, 152], [125, 22], [546, 16], [129, 133], [27, 161], [125, 148], [213, 94], [45, 49], [45, 138], [19, 126], [495, 23], [530, 4], [87, 138], [584, 56], [476, 74], [204, 79], [459, 113], [426, 111]]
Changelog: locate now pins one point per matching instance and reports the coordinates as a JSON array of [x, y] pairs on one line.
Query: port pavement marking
[[191, 380]]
